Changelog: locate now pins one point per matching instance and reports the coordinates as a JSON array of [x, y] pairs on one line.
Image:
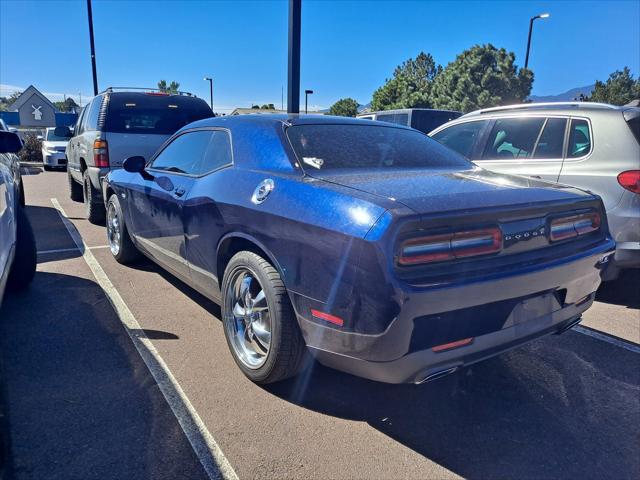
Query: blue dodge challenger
[[368, 245]]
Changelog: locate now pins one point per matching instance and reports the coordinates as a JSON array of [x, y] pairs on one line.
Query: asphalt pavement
[[144, 386]]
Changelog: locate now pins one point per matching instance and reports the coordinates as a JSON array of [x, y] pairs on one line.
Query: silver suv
[[588, 145], [119, 124]]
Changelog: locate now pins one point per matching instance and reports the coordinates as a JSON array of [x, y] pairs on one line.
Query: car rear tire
[[120, 244], [24, 261], [75, 189], [47, 168], [94, 208], [259, 322]]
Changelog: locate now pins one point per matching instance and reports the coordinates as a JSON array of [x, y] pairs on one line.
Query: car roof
[[230, 121], [552, 107], [407, 110]]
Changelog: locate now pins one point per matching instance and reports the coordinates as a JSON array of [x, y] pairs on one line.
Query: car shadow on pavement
[[50, 233], [562, 407], [625, 290], [81, 401]]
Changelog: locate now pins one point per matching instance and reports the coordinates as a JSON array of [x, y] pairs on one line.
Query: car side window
[[91, 118], [79, 122], [217, 155], [461, 137], [184, 153], [512, 138], [551, 141], [579, 139]]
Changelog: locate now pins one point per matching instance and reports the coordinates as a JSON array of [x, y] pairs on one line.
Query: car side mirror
[[62, 132], [134, 164], [10, 142]]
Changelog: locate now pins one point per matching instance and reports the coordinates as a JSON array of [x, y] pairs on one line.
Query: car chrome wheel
[[113, 229], [247, 318]]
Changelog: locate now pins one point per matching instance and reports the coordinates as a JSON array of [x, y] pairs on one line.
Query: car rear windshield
[[153, 114], [347, 147]]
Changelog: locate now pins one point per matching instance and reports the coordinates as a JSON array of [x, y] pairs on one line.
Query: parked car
[[17, 245], [54, 146], [13, 163], [588, 145], [423, 119], [370, 245], [118, 124]]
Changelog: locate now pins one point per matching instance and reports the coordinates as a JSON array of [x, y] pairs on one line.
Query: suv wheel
[[120, 244], [259, 323], [95, 210], [24, 262], [75, 189]]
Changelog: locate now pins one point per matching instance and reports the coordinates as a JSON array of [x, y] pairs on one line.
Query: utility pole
[[293, 74], [93, 49], [210, 80], [306, 96]]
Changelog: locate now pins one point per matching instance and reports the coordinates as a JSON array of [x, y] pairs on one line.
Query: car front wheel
[[120, 244], [92, 202], [259, 323], [24, 262], [75, 189]]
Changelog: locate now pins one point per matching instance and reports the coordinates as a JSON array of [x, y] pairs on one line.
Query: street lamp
[[306, 96], [210, 80], [542, 15]]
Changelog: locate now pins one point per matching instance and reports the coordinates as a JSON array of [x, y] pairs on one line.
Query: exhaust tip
[[436, 375]]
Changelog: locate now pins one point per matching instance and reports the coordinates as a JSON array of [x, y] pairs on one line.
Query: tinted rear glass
[[398, 118], [426, 120], [151, 114], [348, 147]]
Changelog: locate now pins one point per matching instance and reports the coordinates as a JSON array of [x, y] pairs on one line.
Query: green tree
[[69, 105], [269, 106], [480, 77], [172, 88], [5, 102], [410, 86], [345, 107], [619, 89]]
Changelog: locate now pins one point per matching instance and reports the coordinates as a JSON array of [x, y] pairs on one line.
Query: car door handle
[[178, 192]]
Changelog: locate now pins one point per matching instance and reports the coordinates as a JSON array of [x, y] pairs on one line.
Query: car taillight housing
[[572, 226], [101, 153], [630, 180], [450, 246]]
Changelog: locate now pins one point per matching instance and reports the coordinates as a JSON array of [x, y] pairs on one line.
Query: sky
[[348, 48]]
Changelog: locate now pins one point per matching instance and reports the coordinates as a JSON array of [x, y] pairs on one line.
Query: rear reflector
[[327, 317], [101, 153], [437, 248], [630, 180], [569, 227], [449, 346]]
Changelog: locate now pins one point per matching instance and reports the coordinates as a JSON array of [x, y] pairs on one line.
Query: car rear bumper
[[624, 225], [497, 314]]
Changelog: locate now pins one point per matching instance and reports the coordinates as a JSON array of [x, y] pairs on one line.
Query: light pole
[[210, 80], [93, 48], [293, 57], [306, 96], [542, 15]]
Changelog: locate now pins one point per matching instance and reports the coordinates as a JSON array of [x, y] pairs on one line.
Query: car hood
[[438, 191], [48, 143]]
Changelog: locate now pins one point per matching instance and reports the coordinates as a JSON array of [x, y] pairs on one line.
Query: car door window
[[461, 137], [579, 139], [513, 138], [217, 155], [551, 141], [80, 121], [184, 153]]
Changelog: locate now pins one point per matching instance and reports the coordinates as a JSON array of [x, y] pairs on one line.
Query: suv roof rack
[[150, 90], [546, 106]]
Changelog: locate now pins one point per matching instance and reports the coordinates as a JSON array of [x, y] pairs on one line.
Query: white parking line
[[632, 347], [204, 445], [64, 250]]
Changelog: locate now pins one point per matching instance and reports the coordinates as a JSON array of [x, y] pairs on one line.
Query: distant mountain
[[567, 96]]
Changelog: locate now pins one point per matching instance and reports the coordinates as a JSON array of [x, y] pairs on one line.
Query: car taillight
[[630, 180], [449, 246], [569, 227], [101, 153]]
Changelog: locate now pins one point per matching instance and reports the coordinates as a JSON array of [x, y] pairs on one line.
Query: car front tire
[[75, 189], [259, 322], [94, 208], [24, 261], [120, 244]]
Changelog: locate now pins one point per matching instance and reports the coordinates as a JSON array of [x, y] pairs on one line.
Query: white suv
[[588, 145]]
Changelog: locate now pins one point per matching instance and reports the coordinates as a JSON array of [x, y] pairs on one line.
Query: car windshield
[[52, 137], [349, 147]]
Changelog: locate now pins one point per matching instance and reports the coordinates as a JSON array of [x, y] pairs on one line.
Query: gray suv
[[588, 145], [119, 124]]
